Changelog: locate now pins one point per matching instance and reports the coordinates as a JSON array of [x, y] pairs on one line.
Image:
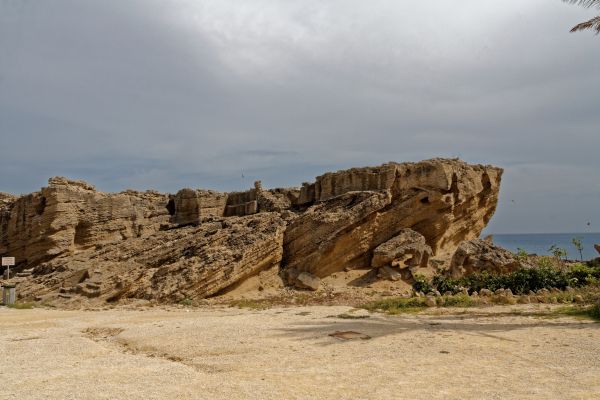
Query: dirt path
[[287, 353]]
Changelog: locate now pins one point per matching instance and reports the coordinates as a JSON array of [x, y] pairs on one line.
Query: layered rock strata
[[71, 215], [172, 265], [355, 211], [199, 243]]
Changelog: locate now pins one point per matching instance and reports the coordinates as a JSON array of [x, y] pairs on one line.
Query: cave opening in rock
[[39, 209], [171, 207]]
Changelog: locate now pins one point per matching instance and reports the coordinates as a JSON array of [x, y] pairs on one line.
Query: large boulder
[[407, 249], [475, 256]]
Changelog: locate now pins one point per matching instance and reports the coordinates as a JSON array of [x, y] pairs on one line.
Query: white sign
[[8, 261]]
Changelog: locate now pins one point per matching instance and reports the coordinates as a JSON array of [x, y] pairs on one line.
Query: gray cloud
[[166, 94]]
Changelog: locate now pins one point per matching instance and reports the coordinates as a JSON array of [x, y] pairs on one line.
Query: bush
[[584, 274], [595, 312], [545, 276], [422, 284]]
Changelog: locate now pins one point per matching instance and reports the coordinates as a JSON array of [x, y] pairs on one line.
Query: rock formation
[[597, 247], [200, 243], [480, 256], [172, 265], [446, 201], [71, 215]]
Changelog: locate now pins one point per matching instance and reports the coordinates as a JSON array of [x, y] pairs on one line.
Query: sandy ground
[[287, 353]]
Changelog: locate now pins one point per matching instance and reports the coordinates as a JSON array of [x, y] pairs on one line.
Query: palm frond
[[584, 3], [593, 24]]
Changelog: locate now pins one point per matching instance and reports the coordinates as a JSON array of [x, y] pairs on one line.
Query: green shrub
[[595, 312], [558, 252], [595, 263], [521, 281], [186, 302], [396, 305], [548, 274], [459, 300], [21, 306], [422, 284], [584, 274], [521, 255]]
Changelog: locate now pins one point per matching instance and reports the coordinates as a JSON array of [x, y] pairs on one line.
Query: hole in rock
[[41, 206], [171, 207], [425, 200]]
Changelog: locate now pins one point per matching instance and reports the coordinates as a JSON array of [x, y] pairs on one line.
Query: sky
[[166, 94]]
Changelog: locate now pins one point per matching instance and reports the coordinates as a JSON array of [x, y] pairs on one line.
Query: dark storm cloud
[[166, 94]]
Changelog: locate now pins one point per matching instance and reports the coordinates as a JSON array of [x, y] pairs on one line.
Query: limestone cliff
[[71, 215], [446, 201], [198, 243], [171, 265]]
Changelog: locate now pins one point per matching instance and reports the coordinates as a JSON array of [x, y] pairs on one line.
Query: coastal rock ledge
[[79, 244]]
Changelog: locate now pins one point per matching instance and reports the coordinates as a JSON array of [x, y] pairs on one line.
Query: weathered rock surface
[[355, 211], [477, 255], [191, 206], [189, 262], [306, 280], [387, 272], [197, 243], [71, 215], [597, 247], [407, 249]]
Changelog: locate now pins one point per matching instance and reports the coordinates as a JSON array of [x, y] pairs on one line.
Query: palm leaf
[[593, 24], [584, 3]]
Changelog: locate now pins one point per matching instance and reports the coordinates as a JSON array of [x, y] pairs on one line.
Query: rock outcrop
[[191, 206], [355, 211], [475, 256], [172, 265], [71, 215], [197, 243], [597, 247]]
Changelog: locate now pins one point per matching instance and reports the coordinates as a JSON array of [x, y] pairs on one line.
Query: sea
[[539, 243]]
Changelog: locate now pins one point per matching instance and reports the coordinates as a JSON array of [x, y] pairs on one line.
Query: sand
[[288, 353]]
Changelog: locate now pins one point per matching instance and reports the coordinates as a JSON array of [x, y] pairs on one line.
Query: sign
[[8, 261]]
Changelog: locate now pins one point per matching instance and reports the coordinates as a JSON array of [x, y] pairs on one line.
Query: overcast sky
[[167, 94]]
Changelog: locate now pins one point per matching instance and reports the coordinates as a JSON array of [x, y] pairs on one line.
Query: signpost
[[8, 291], [8, 262]]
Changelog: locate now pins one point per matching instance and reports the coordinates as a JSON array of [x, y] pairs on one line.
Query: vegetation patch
[[21, 306], [585, 312], [396, 305], [262, 304], [546, 275]]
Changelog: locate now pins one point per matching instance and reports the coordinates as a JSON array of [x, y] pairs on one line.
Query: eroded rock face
[[71, 215], [475, 256], [189, 262], [191, 206], [336, 234], [446, 201], [199, 243]]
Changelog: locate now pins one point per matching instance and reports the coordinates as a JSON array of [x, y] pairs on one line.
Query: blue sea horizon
[[539, 243]]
